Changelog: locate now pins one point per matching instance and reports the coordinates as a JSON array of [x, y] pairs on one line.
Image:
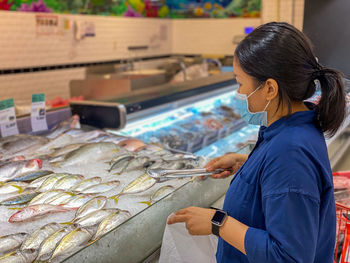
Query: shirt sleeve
[[290, 203]]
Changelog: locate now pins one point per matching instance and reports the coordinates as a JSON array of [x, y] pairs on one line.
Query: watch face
[[218, 217]]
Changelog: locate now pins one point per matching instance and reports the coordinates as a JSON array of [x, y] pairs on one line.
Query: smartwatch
[[217, 221]]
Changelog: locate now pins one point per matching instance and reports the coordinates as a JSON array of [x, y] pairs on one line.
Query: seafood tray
[[67, 189]]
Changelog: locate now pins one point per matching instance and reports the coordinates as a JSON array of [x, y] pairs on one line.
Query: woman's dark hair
[[283, 53]]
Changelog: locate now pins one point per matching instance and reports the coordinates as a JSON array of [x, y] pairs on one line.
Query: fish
[[60, 199], [60, 141], [34, 211], [9, 171], [111, 222], [23, 256], [11, 242], [64, 126], [51, 181], [90, 135], [93, 218], [12, 187], [101, 188], [140, 184], [12, 159], [88, 153], [42, 197], [94, 204], [34, 240], [30, 176], [85, 184], [132, 145], [64, 150], [68, 181], [49, 245], [39, 181], [18, 143], [158, 194], [20, 199], [120, 162], [72, 241], [78, 200]]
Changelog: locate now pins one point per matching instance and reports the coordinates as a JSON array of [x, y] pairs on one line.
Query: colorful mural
[[140, 8]]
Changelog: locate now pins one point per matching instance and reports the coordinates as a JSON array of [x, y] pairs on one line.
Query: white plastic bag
[[179, 246]]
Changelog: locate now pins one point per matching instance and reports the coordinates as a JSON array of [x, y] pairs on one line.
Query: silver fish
[[49, 245], [18, 143], [158, 194], [20, 199], [24, 256], [63, 127], [65, 149], [11, 242], [68, 181], [12, 187], [34, 240], [51, 181], [120, 162], [34, 211], [86, 183], [78, 200], [93, 218], [101, 188], [88, 153], [74, 240], [94, 204], [30, 176], [41, 198], [9, 171], [38, 182], [111, 222], [140, 184], [60, 199]]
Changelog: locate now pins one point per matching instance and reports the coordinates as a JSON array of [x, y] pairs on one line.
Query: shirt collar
[[295, 119]]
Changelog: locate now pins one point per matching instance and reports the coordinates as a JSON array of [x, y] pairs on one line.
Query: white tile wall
[[21, 47]]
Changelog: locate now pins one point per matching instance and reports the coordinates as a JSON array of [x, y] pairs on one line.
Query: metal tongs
[[167, 174]]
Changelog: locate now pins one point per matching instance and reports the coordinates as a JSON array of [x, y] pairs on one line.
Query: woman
[[280, 204]]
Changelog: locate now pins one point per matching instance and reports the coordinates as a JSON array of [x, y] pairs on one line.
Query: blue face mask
[[255, 118]]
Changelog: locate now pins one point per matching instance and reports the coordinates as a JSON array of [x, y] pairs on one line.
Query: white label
[[38, 114], [8, 123]]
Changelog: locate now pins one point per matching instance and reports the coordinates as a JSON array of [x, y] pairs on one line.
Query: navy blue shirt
[[284, 193]]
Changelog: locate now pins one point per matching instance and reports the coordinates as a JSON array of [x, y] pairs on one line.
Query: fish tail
[[148, 203]]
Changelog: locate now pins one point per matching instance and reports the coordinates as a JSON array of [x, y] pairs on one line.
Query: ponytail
[[331, 107]]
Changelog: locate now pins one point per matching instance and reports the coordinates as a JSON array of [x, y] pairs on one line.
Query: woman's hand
[[197, 220], [231, 160]]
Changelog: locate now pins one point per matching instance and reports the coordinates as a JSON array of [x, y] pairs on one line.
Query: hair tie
[[317, 73]]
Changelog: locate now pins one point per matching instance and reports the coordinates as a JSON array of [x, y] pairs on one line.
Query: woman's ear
[[271, 87]]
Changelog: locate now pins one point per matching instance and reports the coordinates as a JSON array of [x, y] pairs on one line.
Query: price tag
[[8, 123], [38, 114]]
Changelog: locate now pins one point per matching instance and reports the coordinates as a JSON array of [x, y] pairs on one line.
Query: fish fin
[[15, 208], [67, 223], [20, 189], [192, 179], [93, 241], [117, 174], [148, 203], [115, 198], [2, 183], [56, 164]]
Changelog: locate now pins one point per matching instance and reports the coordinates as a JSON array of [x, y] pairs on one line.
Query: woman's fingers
[[176, 219], [221, 175]]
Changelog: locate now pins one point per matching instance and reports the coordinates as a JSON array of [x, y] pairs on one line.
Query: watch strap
[[215, 230]]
